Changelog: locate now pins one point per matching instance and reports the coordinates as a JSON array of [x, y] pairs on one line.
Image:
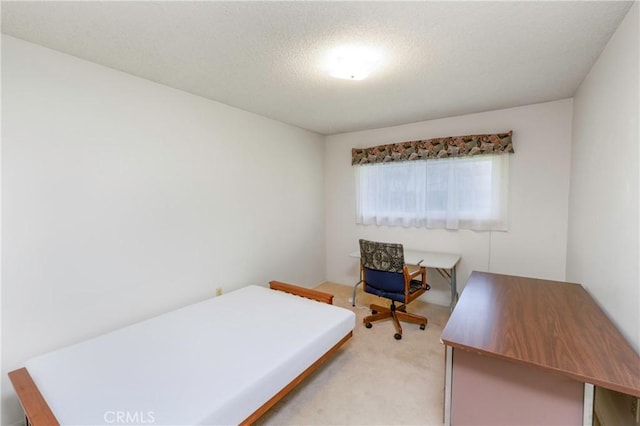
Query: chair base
[[397, 314]]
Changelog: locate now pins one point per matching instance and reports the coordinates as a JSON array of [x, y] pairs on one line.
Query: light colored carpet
[[374, 379]]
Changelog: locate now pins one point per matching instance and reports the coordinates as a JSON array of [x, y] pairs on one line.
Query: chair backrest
[[383, 269]]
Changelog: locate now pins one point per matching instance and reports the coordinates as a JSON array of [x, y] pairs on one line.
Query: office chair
[[385, 274]]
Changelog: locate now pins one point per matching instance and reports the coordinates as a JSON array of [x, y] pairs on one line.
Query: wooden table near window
[[529, 351]]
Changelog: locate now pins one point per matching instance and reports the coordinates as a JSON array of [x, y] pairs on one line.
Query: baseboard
[[320, 283]]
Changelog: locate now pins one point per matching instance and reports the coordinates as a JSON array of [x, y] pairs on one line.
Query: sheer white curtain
[[452, 193]]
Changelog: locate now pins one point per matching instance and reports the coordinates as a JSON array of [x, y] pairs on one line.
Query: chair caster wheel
[[428, 287], [422, 326], [373, 312], [368, 325], [398, 336]]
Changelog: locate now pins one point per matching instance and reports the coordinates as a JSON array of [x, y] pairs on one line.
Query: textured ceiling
[[440, 58]]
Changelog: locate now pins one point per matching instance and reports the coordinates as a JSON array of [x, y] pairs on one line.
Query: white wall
[[602, 251], [535, 244], [123, 199]]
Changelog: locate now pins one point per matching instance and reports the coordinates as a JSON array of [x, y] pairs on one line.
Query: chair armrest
[[420, 271]]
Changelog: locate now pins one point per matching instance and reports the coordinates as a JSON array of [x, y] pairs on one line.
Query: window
[[452, 193]]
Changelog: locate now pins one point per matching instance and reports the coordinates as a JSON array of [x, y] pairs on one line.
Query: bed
[[225, 360]]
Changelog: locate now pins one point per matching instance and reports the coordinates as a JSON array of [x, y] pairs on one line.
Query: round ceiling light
[[352, 62]]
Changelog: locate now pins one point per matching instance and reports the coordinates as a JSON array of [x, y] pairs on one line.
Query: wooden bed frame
[[38, 413]]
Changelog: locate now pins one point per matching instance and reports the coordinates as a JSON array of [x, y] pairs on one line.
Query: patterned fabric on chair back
[[382, 264]]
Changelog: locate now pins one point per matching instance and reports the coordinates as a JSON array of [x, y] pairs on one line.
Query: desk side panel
[[490, 391]]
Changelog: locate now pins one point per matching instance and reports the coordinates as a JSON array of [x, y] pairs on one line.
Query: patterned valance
[[454, 146]]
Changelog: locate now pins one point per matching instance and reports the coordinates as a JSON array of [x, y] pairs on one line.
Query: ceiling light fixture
[[352, 62]]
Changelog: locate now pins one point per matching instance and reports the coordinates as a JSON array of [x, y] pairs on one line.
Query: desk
[[444, 263], [529, 352]]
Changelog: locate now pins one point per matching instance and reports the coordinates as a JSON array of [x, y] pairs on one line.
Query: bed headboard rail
[[302, 291]]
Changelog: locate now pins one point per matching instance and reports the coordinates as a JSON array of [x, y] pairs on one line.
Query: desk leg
[[587, 411], [454, 289], [448, 374], [355, 287]]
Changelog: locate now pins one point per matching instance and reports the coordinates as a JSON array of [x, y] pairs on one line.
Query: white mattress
[[214, 362]]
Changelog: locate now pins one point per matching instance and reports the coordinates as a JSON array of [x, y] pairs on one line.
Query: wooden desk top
[[551, 325]]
